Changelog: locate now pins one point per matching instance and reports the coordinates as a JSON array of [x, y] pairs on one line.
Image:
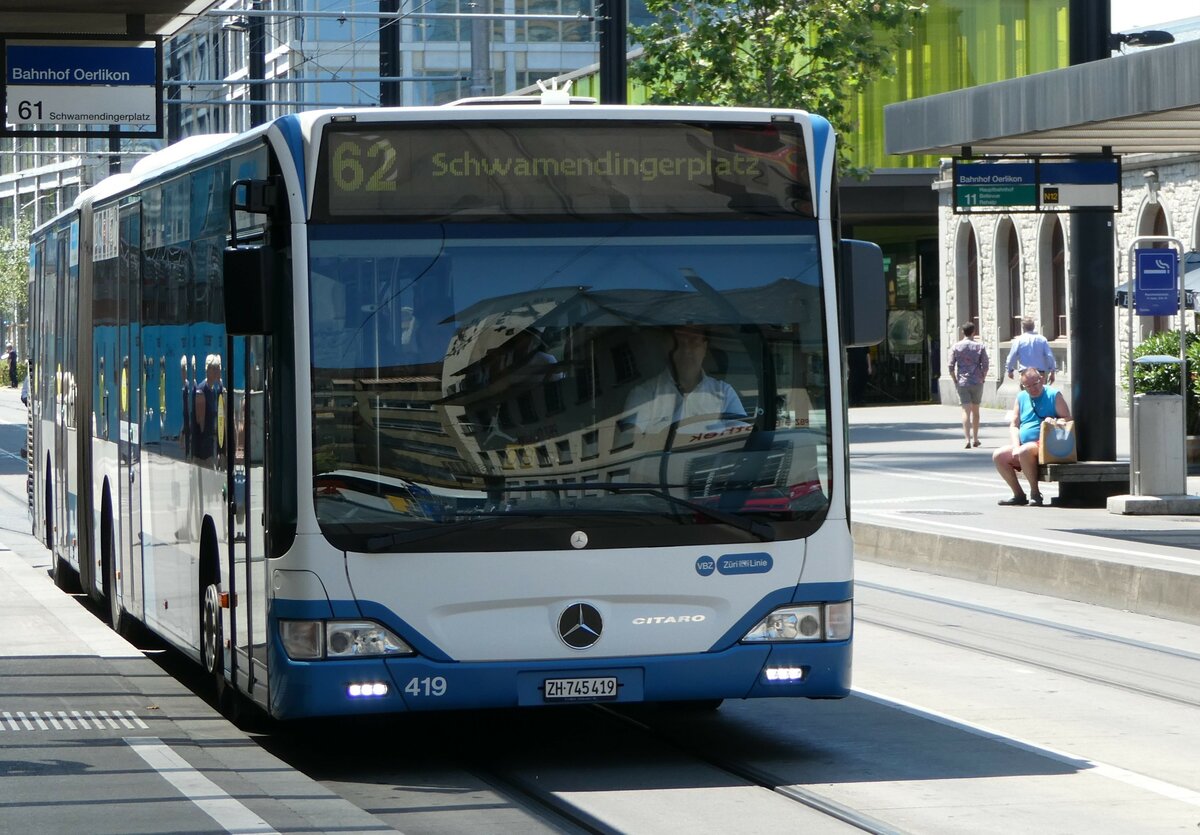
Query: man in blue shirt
[[1031, 350]]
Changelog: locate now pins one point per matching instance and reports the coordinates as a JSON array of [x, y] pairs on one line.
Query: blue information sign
[[1081, 172], [68, 85], [1156, 282], [81, 65], [1036, 184]]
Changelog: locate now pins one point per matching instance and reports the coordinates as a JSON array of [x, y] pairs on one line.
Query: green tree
[[14, 273], [808, 54]]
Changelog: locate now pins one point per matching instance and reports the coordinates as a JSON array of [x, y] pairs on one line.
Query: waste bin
[[1157, 458]]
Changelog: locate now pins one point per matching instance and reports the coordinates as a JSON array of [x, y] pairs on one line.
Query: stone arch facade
[[966, 263], [1010, 273], [1178, 199], [1052, 311], [1154, 218]]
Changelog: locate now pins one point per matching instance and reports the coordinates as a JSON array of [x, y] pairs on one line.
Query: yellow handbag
[[1056, 445]]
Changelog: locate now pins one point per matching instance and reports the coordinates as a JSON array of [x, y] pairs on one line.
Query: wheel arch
[[48, 507], [108, 534], [210, 555]]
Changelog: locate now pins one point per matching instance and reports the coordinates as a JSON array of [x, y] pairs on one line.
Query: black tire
[[49, 497], [65, 577], [118, 618], [211, 638], [233, 705]]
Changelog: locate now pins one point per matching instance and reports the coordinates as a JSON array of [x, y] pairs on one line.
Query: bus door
[[245, 444], [129, 349], [51, 398], [66, 489], [37, 354]]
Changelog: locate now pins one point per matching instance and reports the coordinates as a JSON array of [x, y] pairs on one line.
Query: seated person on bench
[[1036, 403]]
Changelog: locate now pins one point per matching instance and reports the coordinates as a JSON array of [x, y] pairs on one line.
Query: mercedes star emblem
[[580, 625], [578, 539]]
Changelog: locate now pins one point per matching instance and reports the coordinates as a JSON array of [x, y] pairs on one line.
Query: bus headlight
[[312, 640], [354, 639], [809, 622]]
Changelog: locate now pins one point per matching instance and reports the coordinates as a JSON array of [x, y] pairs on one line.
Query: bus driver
[[682, 390]]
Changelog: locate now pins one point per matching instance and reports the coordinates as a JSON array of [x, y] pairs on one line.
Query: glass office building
[[328, 53]]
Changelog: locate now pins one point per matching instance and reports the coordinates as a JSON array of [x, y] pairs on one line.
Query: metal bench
[[1087, 483]]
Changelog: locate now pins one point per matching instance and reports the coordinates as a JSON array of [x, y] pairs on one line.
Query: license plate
[[568, 689]]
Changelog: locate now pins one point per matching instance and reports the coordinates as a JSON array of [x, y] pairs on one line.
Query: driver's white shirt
[[658, 402]]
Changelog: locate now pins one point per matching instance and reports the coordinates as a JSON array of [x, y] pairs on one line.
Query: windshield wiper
[[760, 530]]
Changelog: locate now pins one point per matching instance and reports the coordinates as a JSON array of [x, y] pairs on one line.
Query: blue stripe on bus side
[[289, 126], [822, 137]]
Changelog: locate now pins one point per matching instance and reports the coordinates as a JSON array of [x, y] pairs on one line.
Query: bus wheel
[[118, 619], [210, 634], [234, 706], [64, 576], [49, 511]]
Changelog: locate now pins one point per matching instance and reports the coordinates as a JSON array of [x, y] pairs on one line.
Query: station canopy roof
[[1143, 102], [97, 17]]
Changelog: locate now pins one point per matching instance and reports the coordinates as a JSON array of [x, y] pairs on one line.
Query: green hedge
[[1164, 379]]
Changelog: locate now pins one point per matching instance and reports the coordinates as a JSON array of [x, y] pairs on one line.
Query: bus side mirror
[[862, 294], [249, 276]]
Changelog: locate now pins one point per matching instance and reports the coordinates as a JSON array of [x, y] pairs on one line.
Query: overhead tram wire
[[400, 15], [272, 33], [342, 16], [353, 82]]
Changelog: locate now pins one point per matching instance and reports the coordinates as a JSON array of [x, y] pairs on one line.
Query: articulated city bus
[[370, 411]]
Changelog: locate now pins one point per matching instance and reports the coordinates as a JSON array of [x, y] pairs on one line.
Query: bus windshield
[[506, 386]]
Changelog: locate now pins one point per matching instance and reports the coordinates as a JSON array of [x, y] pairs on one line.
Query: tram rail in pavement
[[920, 500]]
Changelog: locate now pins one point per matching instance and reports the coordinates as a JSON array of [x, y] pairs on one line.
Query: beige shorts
[[970, 395]]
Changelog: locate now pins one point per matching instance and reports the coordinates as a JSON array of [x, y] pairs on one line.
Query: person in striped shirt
[[968, 367]]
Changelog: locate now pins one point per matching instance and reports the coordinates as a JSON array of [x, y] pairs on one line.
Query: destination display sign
[[983, 185], [521, 170], [1036, 184], [81, 82]]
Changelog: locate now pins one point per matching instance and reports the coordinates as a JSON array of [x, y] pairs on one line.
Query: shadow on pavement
[[1169, 539]]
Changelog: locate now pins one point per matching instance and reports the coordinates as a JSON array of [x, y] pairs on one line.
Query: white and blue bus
[[384, 410]]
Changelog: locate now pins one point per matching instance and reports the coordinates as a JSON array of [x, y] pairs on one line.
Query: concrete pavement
[[96, 737], [920, 500]]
